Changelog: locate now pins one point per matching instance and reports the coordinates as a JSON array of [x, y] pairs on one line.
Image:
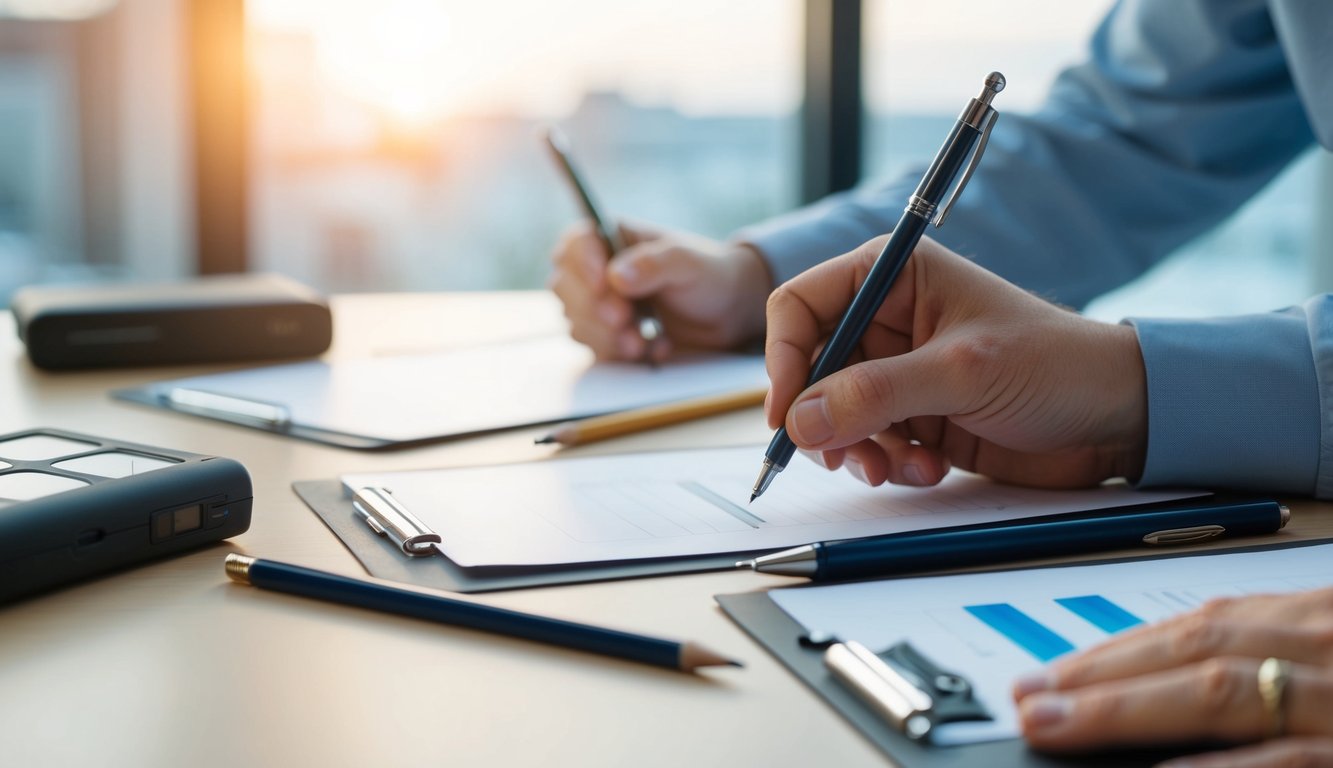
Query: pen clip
[[387, 517], [988, 122], [1184, 535]]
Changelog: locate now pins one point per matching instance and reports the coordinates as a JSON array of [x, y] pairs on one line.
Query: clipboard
[[786, 640], [383, 558], [401, 401], [780, 635]]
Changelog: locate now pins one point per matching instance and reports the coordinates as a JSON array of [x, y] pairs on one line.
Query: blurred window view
[[392, 144], [94, 176], [1260, 259], [395, 141]]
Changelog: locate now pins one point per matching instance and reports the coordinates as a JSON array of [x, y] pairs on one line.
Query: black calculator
[[74, 506]]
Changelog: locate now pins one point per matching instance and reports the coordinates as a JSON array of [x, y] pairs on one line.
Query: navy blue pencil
[[933, 550], [308, 582]]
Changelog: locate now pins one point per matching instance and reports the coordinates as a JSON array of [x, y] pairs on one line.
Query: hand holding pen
[[961, 151], [648, 325]]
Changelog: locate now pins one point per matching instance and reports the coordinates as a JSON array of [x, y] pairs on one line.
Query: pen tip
[[753, 496]]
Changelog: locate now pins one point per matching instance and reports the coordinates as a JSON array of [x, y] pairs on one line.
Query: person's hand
[[708, 295], [1194, 678], [957, 368]]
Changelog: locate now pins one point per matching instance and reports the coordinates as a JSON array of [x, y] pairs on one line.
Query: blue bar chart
[[1042, 642], [1100, 612], [1022, 630]]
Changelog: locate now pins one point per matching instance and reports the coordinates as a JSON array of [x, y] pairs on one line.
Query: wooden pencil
[[320, 585], [642, 419]]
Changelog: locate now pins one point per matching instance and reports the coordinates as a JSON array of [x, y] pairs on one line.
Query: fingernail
[[912, 473], [1046, 710], [1041, 680], [810, 423], [858, 471], [626, 272]]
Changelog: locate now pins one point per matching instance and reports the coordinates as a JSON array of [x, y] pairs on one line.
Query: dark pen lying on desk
[[954, 548], [308, 582]]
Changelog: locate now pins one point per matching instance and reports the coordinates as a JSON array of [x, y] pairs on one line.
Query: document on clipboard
[[674, 504], [403, 400], [988, 628]]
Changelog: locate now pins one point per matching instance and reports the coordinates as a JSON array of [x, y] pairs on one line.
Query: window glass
[[94, 149], [395, 141], [1255, 261]]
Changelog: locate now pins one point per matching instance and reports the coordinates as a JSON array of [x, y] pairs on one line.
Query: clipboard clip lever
[[904, 687], [387, 517]]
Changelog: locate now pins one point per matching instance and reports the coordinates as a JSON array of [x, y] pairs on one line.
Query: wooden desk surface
[[169, 665]]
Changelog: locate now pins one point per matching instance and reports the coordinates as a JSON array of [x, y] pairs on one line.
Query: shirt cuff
[[1232, 403]]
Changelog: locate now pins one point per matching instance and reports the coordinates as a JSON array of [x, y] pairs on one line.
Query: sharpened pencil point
[[693, 656], [544, 440]]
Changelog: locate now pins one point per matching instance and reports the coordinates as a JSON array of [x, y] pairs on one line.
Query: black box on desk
[[210, 319]]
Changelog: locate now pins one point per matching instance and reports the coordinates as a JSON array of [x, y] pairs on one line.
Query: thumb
[[633, 232], [648, 268], [869, 397]]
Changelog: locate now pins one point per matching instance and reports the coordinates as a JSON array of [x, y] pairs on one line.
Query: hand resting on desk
[[1195, 678]]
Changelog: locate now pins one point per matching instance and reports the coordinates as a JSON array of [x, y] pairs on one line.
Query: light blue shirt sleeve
[[1184, 110], [1241, 402]]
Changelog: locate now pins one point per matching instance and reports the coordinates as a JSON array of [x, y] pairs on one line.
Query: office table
[[170, 665]]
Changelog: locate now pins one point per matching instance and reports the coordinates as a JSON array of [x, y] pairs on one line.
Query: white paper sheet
[[473, 389], [676, 503], [933, 615]]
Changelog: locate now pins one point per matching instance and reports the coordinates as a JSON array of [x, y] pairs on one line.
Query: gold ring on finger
[[1274, 674]]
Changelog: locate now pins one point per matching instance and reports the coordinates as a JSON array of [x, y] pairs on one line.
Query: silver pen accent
[[797, 561], [767, 472]]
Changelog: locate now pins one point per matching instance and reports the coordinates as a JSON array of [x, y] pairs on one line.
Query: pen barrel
[[331, 587], [870, 296], [953, 153], [945, 549]]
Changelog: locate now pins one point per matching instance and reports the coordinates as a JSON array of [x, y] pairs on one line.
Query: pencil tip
[[544, 440], [693, 656], [753, 496]]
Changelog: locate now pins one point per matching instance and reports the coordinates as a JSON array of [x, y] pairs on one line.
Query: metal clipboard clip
[[904, 687], [387, 517]]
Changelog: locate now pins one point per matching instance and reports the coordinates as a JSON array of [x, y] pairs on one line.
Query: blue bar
[[1100, 612], [1022, 629]]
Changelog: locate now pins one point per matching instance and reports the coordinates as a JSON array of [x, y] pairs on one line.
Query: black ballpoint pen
[[987, 545], [646, 320], [972, 129]]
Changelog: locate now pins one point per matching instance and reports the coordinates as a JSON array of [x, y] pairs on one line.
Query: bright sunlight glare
[[395, 56]]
